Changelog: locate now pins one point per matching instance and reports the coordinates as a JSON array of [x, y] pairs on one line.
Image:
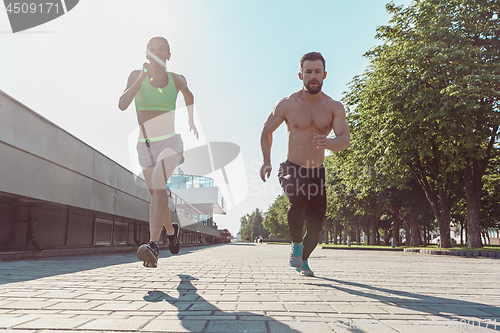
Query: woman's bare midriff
[[156, 123]]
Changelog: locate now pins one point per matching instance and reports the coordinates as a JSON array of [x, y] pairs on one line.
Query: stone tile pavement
[[249, 288]]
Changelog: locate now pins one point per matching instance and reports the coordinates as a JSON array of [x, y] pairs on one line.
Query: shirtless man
[[160, 149], [310, 115]]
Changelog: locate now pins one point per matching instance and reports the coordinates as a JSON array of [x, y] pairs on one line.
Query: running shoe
[[173, 240], [305, 270], [148, 253], [296, 255]]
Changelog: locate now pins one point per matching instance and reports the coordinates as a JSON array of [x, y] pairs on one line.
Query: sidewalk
[[249, 288]]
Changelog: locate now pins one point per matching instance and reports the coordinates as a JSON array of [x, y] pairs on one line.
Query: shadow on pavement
[[188, 292], [32, 269], [423, 303]]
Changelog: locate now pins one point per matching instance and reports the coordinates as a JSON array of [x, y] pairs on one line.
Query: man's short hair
[[312, 56]]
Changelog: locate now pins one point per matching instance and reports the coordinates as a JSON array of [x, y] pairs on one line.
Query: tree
[[275, 219], [456, 46], [245, 226], [490, 211], [251, 225], [428, 103], [257, 227]]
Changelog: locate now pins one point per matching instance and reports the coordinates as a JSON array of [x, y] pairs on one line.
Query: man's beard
[[312, 90]]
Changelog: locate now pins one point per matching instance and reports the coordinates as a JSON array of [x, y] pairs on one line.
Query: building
[[58, 193], [200, 193]]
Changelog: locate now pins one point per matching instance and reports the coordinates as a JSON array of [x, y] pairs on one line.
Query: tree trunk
[[425, 235], [485, 237], [444, 230], [356, 230], [407, 233], [413, 238], [442, 215], [374, 227], [420, 241], [473, 186], [335, 232], [328, 228], [466, 233], [461, 233], [395, 232], [387, 237], [440, 204]]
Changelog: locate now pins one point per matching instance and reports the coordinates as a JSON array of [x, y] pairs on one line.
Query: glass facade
[[182, 181], [177, 181]]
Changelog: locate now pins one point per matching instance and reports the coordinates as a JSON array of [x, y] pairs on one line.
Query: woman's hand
[[192, 127]]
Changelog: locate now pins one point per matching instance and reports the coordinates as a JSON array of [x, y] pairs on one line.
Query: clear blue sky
[[239, 58]]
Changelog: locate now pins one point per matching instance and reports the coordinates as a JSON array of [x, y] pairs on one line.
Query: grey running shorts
[[149, 154]]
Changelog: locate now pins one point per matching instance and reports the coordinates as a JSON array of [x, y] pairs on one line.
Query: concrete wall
[[57, 192], [40, 160]]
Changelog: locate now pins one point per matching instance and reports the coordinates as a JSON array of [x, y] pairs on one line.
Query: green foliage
[[490, 210], [275, 219], [423, 116], [251, 225], [426, 108]]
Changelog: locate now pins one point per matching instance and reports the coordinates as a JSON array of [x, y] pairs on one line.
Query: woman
[[160, 149]]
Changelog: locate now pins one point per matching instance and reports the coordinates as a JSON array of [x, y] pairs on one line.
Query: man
[[310, 115]]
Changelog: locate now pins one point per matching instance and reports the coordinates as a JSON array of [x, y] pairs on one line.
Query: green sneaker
[[305, 270], [296, 255]]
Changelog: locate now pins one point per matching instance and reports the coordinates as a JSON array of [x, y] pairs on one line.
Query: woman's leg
[[159, 213]]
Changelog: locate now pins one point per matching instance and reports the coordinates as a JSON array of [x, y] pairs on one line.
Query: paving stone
[[266, 306], [224, 326], [309, 307], [7, 321], [252, 287], [33, 304], [300, 298], [161, 325], [50, 322], [121, 306], [259, 298], [76, 305], [111, 324]]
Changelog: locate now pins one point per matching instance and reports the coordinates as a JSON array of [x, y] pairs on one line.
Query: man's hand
[[265, 170], [192, 127], [319, 141]]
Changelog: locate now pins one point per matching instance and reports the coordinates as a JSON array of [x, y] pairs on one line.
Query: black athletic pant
[[305, 188]]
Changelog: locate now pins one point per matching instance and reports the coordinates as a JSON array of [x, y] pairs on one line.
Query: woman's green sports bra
[[151, 98]]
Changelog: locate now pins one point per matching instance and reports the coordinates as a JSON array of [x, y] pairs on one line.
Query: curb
[[361, 249], [53, 253], [468, 254]]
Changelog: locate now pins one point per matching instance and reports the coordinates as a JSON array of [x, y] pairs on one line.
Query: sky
[[239, 59]]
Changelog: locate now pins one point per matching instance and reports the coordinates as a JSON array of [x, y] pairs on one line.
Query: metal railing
[[183, 208]]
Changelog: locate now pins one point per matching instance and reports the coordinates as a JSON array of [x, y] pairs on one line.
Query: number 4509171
[[24, 7]]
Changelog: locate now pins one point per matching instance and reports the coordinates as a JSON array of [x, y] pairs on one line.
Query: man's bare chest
[[319, 118]]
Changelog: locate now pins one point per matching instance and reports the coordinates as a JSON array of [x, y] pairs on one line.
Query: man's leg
[[314, 223], [296, 212], [298, 201], [315, 214]]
